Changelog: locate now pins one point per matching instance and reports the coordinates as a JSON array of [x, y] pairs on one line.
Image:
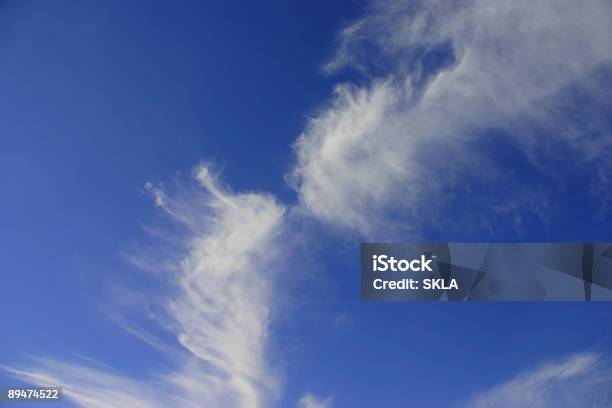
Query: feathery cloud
[[220, 313], [582, 380], [445, 74]]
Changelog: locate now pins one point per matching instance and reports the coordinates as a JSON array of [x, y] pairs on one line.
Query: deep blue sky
[[97, 99]]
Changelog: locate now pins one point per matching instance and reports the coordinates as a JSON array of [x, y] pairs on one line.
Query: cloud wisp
[[313, 401], [582, 380], [442, 75], [93, 387], [220, 312]]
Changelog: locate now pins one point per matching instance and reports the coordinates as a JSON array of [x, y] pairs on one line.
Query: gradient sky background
[[99, 99]]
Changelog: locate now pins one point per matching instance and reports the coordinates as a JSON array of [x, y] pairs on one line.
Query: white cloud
[[312, 401], [220, 314], [582, 380], [92, 387], [223, 312], [394, 145]]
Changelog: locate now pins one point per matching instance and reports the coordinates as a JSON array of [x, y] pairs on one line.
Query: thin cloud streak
[[582, 380], [92, 387], [313, 401]]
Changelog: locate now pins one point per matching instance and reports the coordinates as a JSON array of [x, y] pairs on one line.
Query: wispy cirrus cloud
[[581, 380], [226, 285], [440, 76], [94, 387], [219, 314]]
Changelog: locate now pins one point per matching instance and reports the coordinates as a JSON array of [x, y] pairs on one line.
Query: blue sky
[[186, 187]]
